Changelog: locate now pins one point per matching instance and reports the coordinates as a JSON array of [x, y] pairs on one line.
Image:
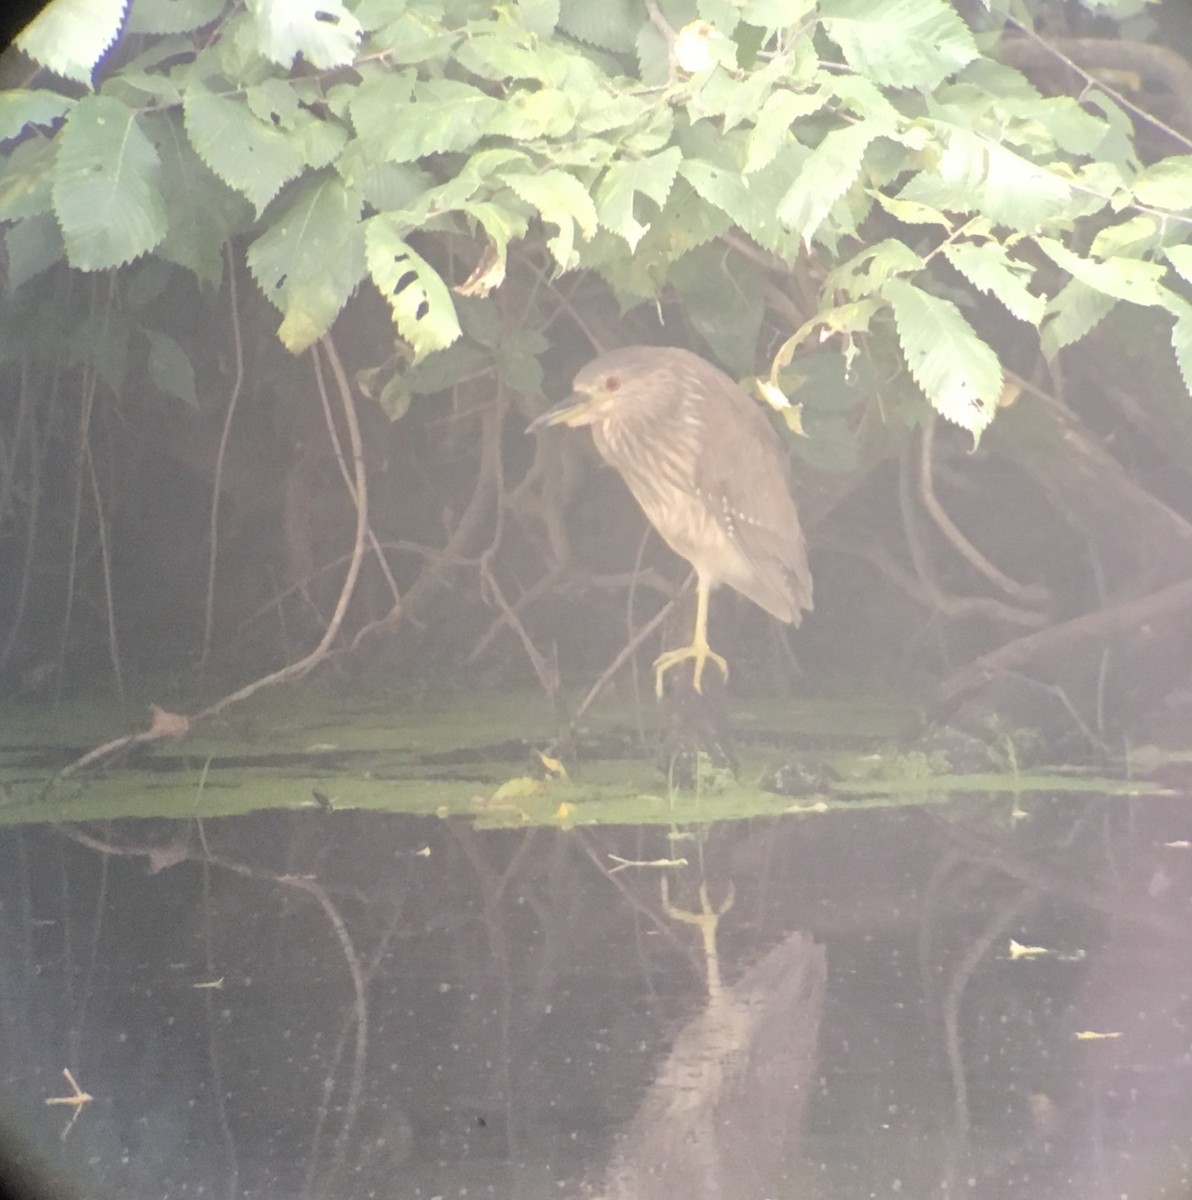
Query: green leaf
[[724, 299], [33, 245], [609, 25], [563, 201], [776, 14], [27, 179], [518, 362], [107, 186], [203, 211], [159, 17], [1181, 341], [830, 445], [1180, 257], [250, 156], [711, 164], [911, 212], [170, 368], [899, 43], [866, 272], [323, 32], [527, 114], [70, 36], [625, 178], [1135, 238], [772, 129], [310, 260], [957, 372], [442, 116], [975, 174], [417, 296], [1166, 184], [1074, 310], [828, 172], [21, 107], [539, 16], [1129, 279], [990, 269], [443, 369]]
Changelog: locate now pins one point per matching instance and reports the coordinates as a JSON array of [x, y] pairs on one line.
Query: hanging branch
[[165, 724], [217, 485]]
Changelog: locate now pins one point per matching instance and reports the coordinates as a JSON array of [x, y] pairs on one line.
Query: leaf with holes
[[417, 296], [956, 370], [311, 259], [250, 156], [324, 32]]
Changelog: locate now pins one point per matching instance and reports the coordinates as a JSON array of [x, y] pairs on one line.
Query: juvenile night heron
[[709, 472]]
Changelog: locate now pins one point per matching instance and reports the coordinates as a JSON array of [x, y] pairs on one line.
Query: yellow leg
[[699, 650]]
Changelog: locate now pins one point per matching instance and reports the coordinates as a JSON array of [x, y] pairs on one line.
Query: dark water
[[415, 1008]]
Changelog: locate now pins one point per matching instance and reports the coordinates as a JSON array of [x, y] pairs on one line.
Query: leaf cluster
[[389, 141]]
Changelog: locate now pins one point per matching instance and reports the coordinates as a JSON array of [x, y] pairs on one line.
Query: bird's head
[[605, 385]]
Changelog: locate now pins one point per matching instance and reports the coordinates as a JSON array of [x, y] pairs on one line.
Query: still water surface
[[845, 1005]]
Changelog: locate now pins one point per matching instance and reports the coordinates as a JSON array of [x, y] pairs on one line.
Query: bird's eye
[[612, 383]]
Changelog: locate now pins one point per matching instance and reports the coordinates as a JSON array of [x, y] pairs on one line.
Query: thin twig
[[1032, 594], [225, 432]]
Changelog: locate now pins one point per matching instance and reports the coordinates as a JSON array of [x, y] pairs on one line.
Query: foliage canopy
[[418, 144]]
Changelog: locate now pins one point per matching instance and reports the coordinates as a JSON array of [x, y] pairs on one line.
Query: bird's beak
[[571, 411]]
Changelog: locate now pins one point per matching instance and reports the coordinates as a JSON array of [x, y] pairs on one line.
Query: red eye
[[611, 383]]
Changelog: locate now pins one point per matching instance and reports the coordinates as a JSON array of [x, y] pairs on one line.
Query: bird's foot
[[700, 654]]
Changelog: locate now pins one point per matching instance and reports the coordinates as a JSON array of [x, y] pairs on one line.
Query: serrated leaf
[[1135, 237], [911, 212], [323, 32], [899, 43], [1181, 342], [773, 126], [775, 14], [538, 16], [1074, 310], [865, 273], [527, 114], [70, 36], [160, 17], [204, 212], [563, 201], [1129, 279], [975, 174], [250, 156], [958, 373], [828, 172], [32, 245], [27, 179], [1166, 184], [625, 178], [443, 116], [750, 201], [609, 25], [1180, 257], [170, 368], [990, 269], [310, 260], [21, 107], [417, 297], [107, 186], [724, 299]]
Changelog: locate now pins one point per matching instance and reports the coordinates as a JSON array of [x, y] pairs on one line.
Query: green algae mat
[[491, 758]]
